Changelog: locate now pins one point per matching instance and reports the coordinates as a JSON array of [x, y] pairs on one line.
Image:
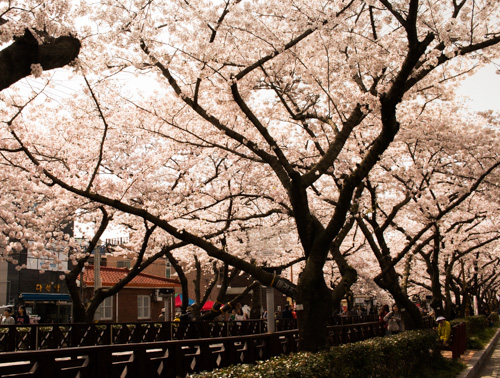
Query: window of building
[[123, 264], [168, 269], [106, 309], [143, 307]]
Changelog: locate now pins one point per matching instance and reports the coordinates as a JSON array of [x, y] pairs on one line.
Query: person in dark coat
[[287, 313], [22, 317]]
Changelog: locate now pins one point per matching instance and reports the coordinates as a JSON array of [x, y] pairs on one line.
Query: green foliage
[[384, 356], [404, 355], [482, 338], [478, 331], [442, 367], [495, 317]]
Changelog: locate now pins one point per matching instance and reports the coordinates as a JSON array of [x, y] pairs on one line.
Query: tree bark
[[411, 314], [17, 58], [256, 310], [314, 308], [80, 313]]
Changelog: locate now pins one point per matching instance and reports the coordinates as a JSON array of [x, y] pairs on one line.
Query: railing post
[[11, 341], [271, 324], [204, 362], [204, 330], [275, 347], [36, 337], [75, 335]]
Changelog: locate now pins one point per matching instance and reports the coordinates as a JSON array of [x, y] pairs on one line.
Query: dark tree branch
[[16, 59]]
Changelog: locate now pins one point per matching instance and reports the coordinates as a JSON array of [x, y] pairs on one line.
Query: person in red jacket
[[381, 315]]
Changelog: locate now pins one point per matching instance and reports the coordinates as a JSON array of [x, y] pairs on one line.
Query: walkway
[[491, 368], [484, 363]]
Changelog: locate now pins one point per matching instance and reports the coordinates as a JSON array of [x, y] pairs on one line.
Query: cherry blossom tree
[[475, 275], [419, 201], [80, 256], [264, 113]]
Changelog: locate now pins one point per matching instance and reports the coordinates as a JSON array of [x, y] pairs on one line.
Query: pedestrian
[[22, 317], [491, 316], [238, 313], [7, 318], [162, 314], [381, 317], [394, 321], [287, 313], [188, 316], [444, 330]]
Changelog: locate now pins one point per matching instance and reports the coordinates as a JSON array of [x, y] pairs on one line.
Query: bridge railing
[[56, 336], [174, 358]]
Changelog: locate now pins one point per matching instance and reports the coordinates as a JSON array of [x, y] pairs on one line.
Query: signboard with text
[[47, 263]]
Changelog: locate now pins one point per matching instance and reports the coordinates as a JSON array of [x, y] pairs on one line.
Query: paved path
[[491, 368]]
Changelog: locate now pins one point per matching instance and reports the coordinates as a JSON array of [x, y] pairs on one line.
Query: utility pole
[[97, 278]]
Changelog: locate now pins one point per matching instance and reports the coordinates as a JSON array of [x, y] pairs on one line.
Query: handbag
[[393, 325]]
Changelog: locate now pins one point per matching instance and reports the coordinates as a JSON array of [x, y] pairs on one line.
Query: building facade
[[142, 299]]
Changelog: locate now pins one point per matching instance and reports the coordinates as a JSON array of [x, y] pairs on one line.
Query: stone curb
[[477, 361]]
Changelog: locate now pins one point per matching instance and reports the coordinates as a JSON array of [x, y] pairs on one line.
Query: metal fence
[[57, 336], [174, 358], [157, 359]]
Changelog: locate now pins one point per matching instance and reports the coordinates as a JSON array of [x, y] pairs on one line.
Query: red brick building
[[142, 299]]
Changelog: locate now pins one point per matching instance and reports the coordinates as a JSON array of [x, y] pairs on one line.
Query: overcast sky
[[483, 89]]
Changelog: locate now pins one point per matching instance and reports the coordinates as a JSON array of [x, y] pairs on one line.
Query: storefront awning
[[44, 297]]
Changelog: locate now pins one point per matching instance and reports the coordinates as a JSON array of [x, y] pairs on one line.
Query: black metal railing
[[175, 358], [135, 351], [57, 336], [157, 359], [351, 333]]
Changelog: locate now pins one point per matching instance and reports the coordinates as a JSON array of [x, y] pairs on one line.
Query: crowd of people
[[238, 313], [391, 320], [19, 318]]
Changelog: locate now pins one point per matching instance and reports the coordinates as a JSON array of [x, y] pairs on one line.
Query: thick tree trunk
[[433, 271], [342, 290], [78, 308], [16, 59], [349, 277], [406, 274], [181, 277], [314, 308], [437, 296], [449, 307], [410, 312], [94, 303], [256, 310]]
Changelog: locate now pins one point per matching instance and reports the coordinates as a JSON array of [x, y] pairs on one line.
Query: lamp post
[[271, 322]]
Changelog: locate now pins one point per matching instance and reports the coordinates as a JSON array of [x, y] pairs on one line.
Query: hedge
[[475, 324], [478, 331], [401, 355]]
